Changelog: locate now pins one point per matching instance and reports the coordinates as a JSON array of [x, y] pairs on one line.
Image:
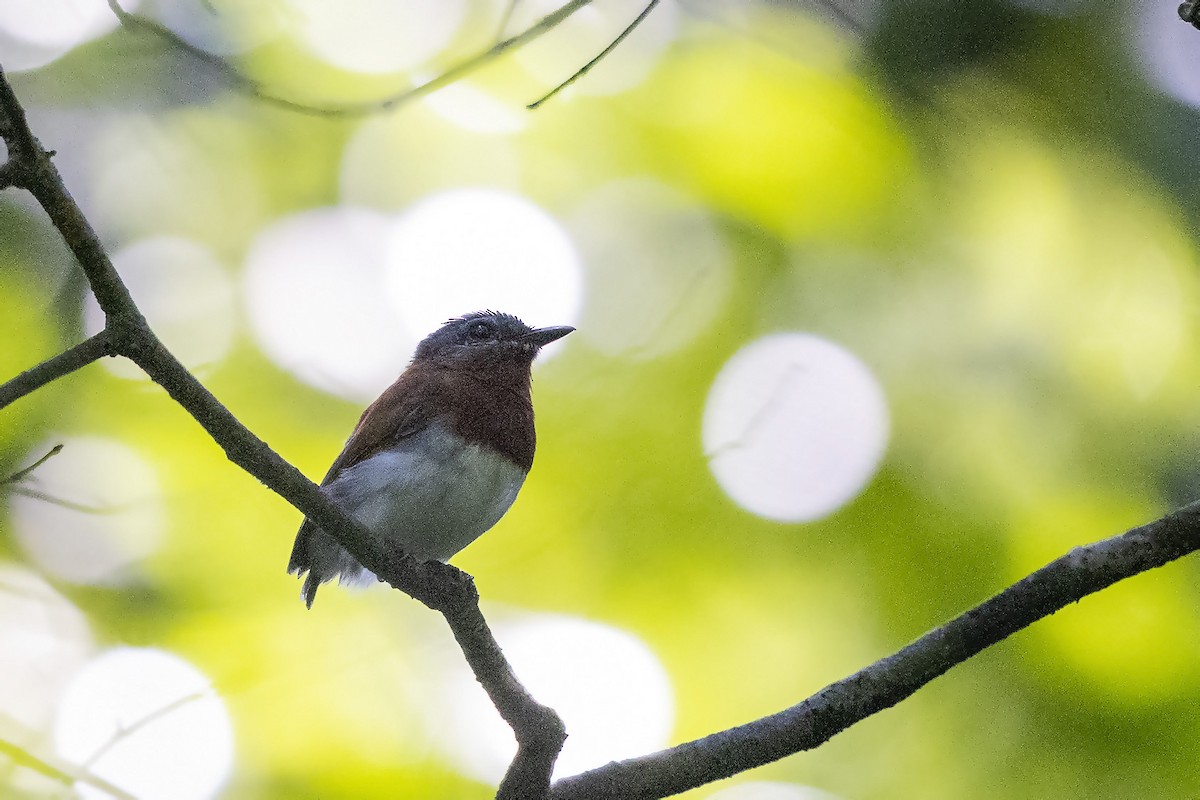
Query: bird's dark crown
[[485, 336]]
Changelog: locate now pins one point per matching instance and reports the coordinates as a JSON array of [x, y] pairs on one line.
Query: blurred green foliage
[[945, 197]]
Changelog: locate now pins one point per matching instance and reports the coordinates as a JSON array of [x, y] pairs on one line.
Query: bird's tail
[[320, 556]]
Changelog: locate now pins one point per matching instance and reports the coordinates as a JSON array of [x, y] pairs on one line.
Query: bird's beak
[[540, 337]]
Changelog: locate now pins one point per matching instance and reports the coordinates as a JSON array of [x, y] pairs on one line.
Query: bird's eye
[[480, 331]]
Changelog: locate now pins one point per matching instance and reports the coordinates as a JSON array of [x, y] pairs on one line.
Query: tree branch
[[452, 593], [586, 68], [387, 103], [1083, 571], [539, 731], [54, 368], [25, 472], [66, 775]]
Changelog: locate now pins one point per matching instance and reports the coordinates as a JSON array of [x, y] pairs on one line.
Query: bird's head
[[486, 337]]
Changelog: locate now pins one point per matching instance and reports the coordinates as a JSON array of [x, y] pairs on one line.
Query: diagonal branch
[[25, 472], [538, 729], [1083, 571], [67, 775], [52, 369]]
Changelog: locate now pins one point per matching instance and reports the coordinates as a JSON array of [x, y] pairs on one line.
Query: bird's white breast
[[432, 494]]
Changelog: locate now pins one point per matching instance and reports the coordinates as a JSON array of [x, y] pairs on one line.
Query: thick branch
[[54, 368], [885, 683], [441, 587]]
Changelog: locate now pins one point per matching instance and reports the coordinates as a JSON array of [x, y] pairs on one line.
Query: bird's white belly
[[432, 494]]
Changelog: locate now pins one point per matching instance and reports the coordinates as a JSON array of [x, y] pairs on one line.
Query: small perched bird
[[441, 455]]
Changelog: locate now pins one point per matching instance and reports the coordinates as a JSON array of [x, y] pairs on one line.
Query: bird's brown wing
[[399, 412]]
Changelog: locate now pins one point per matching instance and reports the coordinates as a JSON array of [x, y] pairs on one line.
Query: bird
[[439, 458]]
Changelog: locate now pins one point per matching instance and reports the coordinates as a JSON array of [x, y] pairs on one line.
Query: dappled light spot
[[610, 689], [35, 32], [185, 295], [43, 638], [1079, 265], [148, 722], [771, 790], [315, 297], [475, 109], [556, 56], [376, 36], [89, 514], [472, 249], [794, 427], [223, 27], [196, 172], [397, 159], [658, 268]]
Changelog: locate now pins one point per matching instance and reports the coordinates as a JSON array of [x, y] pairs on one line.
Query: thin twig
[[387, 103], [52, 369], [506, 18], [843, 15], [125, 731], [22, 474], [1083, 571], [64, 774], [70, 505], [588, 66]]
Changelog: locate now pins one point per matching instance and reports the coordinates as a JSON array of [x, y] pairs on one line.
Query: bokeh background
[[880, 306]]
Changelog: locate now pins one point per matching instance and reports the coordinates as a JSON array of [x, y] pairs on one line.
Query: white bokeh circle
[[657, 265], [314, 287], [395, 160], [1165, 46], [377, 36], [148, 722], [185, 294], [467, 250], [794, 427], [43, 639], [609, 688], [223, 27], [35, 32], [90, 513], [475, 109]]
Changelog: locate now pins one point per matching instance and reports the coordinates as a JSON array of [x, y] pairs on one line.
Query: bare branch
[[54, 368], [64, 774], [588, 66], [387, 103], [538, 729], [125, 731], [1083, 571]]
